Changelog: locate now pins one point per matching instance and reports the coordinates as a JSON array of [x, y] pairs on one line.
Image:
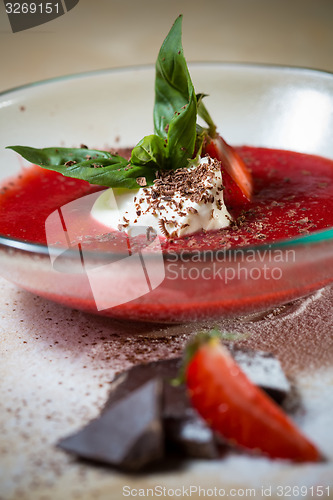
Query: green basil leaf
[[55, 156], [103, 168], [150, 151], [182, 135], [173, 85], [175, 108]]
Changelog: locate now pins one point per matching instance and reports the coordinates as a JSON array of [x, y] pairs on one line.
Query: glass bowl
[[257, 105]]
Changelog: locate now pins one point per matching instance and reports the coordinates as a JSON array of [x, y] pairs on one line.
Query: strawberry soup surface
[[293, 196]]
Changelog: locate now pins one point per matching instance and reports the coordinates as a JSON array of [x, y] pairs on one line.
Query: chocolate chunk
[[264, 370], [135, 377], [179, 418], [185, 430], [127, 435], [191, 437]]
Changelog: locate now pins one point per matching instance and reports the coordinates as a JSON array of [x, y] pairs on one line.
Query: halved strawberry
[[236, 176], [240, 411]]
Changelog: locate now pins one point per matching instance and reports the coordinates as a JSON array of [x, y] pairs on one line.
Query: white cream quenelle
[[180, 202]]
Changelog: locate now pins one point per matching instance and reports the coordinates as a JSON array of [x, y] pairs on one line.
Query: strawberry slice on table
[[238, 410], [237, 178]]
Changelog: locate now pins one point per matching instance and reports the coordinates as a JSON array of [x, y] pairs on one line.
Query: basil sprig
[[176, 134]]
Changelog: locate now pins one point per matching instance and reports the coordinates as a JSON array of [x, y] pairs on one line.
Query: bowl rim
[[151, 66], [313, 238]]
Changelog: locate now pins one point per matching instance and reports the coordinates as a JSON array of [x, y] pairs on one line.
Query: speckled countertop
[[56, 363]]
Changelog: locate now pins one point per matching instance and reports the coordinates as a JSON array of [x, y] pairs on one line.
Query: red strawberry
[[240, 411], [237, 178]]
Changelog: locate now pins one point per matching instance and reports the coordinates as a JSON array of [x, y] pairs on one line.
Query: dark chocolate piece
[[132, 379], [264, 370], [179, 418], [191, 437], [128, 434], [185, 431]]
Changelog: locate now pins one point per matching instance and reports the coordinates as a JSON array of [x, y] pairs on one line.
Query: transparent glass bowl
[[257, 105]]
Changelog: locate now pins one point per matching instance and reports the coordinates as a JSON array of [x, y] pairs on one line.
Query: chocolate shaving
[[142, 181]]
